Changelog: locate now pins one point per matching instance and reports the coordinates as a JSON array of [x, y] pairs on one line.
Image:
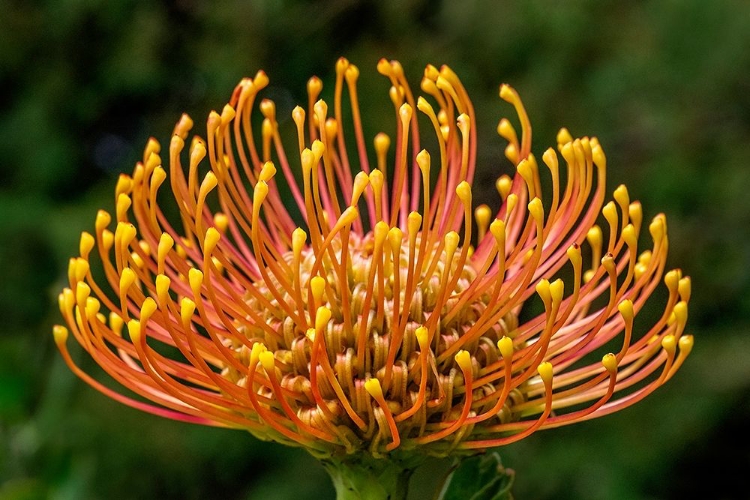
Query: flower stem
[[369, 478]]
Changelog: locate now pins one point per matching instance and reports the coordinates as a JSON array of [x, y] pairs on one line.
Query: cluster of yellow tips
[[391, 321]]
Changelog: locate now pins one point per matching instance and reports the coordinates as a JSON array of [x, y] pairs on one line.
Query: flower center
[[388, 294]]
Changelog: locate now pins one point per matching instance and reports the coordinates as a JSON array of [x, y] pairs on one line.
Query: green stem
[[369, 478]]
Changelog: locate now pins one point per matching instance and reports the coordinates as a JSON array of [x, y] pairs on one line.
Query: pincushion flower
[[372, 315]]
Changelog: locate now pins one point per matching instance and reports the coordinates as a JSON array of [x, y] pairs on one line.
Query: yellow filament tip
[[134, 330], [268, 361], [255, 353], [610, 362], [463, 190], [536, 209], [372, 386], [195, 277], [463, 359], [60, 334], [187, 308], [322, 317], [545, 371], [669, 344], [626, 309], [684, 288], [267, 172], [317, 287], [162, 288], [505, 346], [422, 335], [503, 186], [686, 344], [211, 240]]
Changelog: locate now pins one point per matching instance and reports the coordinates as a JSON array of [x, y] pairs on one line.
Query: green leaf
[[479, 478]]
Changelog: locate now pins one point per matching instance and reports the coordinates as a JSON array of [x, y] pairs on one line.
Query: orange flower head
[[377, 312]]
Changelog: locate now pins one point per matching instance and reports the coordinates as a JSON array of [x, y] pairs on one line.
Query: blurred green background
[[665, 85]]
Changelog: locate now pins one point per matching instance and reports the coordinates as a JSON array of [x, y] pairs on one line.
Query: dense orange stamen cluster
[[392, 320]]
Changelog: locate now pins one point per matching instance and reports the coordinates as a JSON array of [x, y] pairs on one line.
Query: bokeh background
[[665, 85]]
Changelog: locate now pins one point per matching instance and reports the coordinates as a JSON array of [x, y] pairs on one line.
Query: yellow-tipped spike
[[505, 346], [681, 312], [497, 228], [395, 238], [260, 193], [557, 289], [543, 289], [482, 215], [124, 185], [317, 287], [255, 353], [563, 136], [127, 278], [610, 213], [599, 159], [527, 172], [506, 131], [86, 244], [382, 143], [162, 283], [81, 269], [92, 307], [187, 308], [629, 236], [672, 279], [148, 308], [610, 362], [361, 180], [134, 330], [116, 323], [299, 237], [463, 359], [657, 228], [267, 172], [684, 288], [413, 223], [322, 317], [211, 240], [686, 344], [536, 209], [195, 278], [208, 184], [422, 335], [423, 161], [574, 255], [102, 220], [594, 237], [405, 112], [545, 371], [622, 197], [372, 386], [451, 242], [314, 87], [221, 221], [463, 190], [60, 334], [626, 309], [669, 344], [268, 361]]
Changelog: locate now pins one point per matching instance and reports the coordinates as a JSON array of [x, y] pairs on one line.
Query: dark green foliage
[[480, 478]]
